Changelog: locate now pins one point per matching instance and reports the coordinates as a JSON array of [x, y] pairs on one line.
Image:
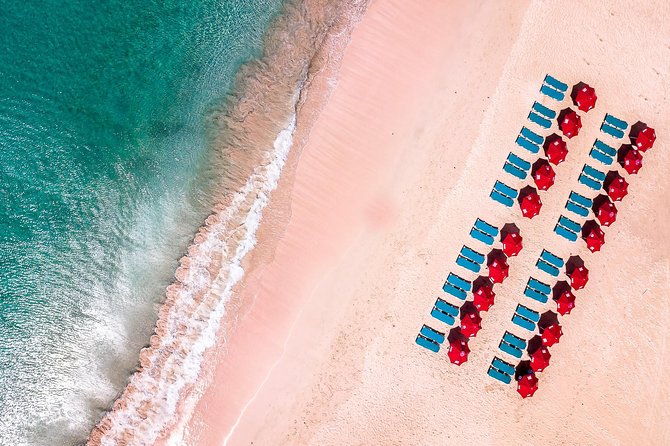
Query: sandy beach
[[371, 213]]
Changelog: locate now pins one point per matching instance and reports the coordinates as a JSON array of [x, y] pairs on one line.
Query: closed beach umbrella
[[593, 236], [539, 360], [616, 186], [527, 385], [631, 160], [644, 138], [483, 296], [543, 174], [551, 334], [512, 244], [458, 350], [498, 270], [569, 122], [555, 148], [530, 204], [584, 96], [579, 277], [565, 302], [471, 323], [606, 212]]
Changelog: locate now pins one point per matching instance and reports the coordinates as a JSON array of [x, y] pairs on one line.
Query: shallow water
[[103, 145]]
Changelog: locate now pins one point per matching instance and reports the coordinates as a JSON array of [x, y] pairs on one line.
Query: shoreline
[[393, 173]]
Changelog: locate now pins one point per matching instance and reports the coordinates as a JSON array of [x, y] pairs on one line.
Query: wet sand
[[398, 165]]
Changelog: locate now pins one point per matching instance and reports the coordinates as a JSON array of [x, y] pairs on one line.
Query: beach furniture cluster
[[550, 292], [455, 311]]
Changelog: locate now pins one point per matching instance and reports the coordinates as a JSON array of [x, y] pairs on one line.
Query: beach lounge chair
[[470, 259], [589, 182], [539, 120], [537, 290], [497, 374], [536, 295], [456, 286], [526, 318], [569, 224], [551, 258], [539, 286], [599, 156], [468, 264], [445, 312], [523, 322], [529, 140], [459, 282], [427, 343], [432, 334], [516, 166], [546, 267], [514, 171], [512, 345], [604, 148], [518, 162], [484, 232], [578, 204], [553, 88], [504, 194], [612, 131], [616, 122], [593, 173], [565, 233], [592, 177]]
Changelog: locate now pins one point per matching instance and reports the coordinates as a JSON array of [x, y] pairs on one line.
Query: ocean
[[106, 139]]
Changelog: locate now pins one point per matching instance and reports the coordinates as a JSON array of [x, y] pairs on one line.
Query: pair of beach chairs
[[430, 338], [549, 263], [578, 204], [602, 152], [525, 317], [516, 166], [484, 232], [568, 229], [501, 370], [613, 126], [537, 290], [592, 177], [529, 140], [541, 115], [504, 194], [553, 88]]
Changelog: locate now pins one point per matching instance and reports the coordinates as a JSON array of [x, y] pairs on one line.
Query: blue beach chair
[[565, 233], [444, 311], [484, 232], [468, 264], [454, 291], [502, 199], [547, 268], [527, 313], [514, 340], [552, 258], [485, 227], [497, 374], [514, 171], [459, 282], [539, 286], [503, 366], [616, 122], [599, 156], [535, 295], [432, 334], [569, 224], [604, 148], [593, 173], [512, 345], [506, 190], [473, 255], [578, 204], [612, 131], [539, 120], [576, 209], [523, 322], [553, 88], [532, 136], [427, 343], [590, 182], [518, 161], [555, 83]]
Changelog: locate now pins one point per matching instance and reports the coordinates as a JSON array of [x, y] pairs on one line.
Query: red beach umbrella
[[471, 323], [632, 161], [512, 244], [530, 204], [539, 360], [484, 297], [498, 270], [543, 174], [458, 350], [584, 97], [569, 122], [527, 385], [594, 237], [579, 277], [617, 187], [606, 213], [555, 148], [565, 302], [645, 138], [551, 335]]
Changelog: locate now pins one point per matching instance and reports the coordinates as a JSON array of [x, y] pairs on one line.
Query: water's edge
[[254, 136]]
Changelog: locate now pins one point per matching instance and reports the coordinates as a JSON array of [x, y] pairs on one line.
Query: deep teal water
[[103, 141]]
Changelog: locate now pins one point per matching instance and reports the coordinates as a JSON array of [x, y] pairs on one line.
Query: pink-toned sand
[[398, 165]]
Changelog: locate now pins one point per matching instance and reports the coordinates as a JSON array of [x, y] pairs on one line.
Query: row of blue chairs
[[504, 194], [553, 88], [592, 177], [529, 140], [516, 166], [549, 263], [578, 204], [501, 370], [457, 286], [568, 229], [613, 126], [537, 290], [541, 115]]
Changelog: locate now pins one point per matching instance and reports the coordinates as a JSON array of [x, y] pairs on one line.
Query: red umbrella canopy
[[512, 244], [484, 297], [579, 277], [606, 213], [471, 323], [458, 350], [594, 238], [527, 385], [531, 204], [551, 335], [586, 98], [543, 174], [498, 270], [539, 360], [555, 148], [570, 123], [632, 161], [565, 302], [645, 139], [617, 188]]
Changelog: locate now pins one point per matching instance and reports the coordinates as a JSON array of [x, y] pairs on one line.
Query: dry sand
[[398, 165]]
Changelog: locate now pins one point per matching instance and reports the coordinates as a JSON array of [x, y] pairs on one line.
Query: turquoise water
[[103, 141]]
